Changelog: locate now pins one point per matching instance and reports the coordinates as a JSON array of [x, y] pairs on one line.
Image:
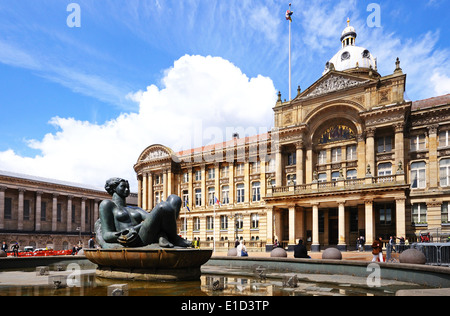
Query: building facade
[[348, 157], [43, 213]]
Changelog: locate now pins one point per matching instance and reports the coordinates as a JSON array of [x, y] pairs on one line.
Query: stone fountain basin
[[149, 264]]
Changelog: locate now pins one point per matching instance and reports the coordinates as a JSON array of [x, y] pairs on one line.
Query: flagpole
[[290, 92], [214, 228]]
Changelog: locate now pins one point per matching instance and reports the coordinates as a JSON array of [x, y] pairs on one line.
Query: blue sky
[[73, 98]]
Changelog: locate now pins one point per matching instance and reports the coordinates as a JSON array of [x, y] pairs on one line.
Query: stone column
[[315, 246], [231, 183], [433, 169], [145, 191], [370, 149], [399, 147], [37, 218], [361, 155], [20, 210], [247, 186], [69, 213], [342, 244], [401, 216], [54, 211], [369, 223], [2, 207], [140, 192], [292, 225], [96, 215], [83, 214], [150, 193], [165, 185], [279, 167], [269, 239], [203, 186], [300, 162]]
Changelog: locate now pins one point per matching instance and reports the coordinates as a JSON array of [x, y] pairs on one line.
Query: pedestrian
[[377, 250], [242, 250], [236, 242], [4, 247], [392, 244], [195, 243], [15, 249], [276, 244], [74, 250], [362, 242], [91, 242], [300, 250]]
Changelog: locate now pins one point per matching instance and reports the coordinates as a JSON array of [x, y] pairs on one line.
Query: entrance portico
[[337, 219]]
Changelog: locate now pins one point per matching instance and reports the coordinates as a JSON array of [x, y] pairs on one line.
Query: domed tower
[[352, 58]]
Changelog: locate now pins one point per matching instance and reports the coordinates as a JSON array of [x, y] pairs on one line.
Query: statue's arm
[[109, 232]]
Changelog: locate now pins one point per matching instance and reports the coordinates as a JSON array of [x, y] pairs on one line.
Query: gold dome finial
[[348, 21]]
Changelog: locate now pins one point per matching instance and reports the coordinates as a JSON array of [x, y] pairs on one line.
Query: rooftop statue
[[122, 226]]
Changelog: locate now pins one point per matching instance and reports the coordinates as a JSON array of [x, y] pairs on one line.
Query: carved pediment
[[331, 83], [154, 153]]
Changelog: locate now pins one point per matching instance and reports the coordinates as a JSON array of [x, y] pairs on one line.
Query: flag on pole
[[216, 201], [186, 205], [289, 14]]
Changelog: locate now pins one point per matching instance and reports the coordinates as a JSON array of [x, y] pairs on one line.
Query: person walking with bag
[[377, 250]]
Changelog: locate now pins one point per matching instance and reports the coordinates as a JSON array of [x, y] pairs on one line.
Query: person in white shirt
[[241, 249]]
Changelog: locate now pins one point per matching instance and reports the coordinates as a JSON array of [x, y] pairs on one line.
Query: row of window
[[27, 211], [419, 213], [225, 194], [239, 222]]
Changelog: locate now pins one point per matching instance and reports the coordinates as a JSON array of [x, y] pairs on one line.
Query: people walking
[[242, 250], [15, 249], [377, 250]]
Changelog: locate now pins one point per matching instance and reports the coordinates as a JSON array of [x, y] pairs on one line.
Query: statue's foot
[[164, 243]]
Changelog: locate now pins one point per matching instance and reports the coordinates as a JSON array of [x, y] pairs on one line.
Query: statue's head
[[176, 202], [117, 185]]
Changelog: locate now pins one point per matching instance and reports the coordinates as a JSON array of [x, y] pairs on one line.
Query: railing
[[340, 184], [436, 253]]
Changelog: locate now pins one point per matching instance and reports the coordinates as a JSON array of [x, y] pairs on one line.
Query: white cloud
[[199, 99]]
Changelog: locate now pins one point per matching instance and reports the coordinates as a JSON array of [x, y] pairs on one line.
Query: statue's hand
[[127, 236]]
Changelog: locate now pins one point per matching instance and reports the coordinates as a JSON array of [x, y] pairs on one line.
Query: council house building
[[349, 156]]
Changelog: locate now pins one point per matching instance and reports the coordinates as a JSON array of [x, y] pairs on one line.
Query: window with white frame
[[384, 169], [185, 177], [444, 139], [419, 213], [225, 172], [223, 222], [239, 222], [254, 221], [225, 194], [418, 142], [351, 174], [209, 223], [351, 152], [322, 177], [198, 197], [240, 190], [336, 154], [240, 169], [211, 173], [444, 213], [196, 224], [322, 158], [157, 198], [255, 167], [211, 194], [418, 180], [444, 172], [256, 191], [185, 195], [335, 175], [198, 175]]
